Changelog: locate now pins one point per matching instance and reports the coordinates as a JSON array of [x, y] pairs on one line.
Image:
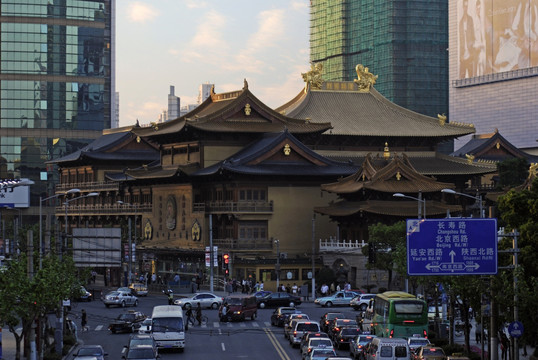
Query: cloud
[[208, 33], [142, 13], [299, 5], [193, 4]]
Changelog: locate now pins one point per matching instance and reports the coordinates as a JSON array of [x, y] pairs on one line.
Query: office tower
[[204, 92], [173, 105], [57, 83], [403, 42], [493, 62]]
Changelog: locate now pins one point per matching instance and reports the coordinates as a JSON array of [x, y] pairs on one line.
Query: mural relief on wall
[[496, 36], [171, 212]]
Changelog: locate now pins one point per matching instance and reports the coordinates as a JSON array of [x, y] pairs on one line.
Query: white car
[[120, 298], [206, 300], [360, 302], [145, 328]]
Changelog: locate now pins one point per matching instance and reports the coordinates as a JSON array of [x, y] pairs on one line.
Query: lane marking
[[223, 347], [98, 327], [279, 349]]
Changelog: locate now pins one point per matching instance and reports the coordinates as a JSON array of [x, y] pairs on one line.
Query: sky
[[185, 43]]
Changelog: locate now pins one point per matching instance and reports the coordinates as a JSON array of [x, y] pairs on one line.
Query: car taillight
[[294, 333], [309, 349], [425, 334], [391, 333], [336, 329]]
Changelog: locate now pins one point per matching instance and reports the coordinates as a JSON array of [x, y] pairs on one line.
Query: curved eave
[[286, 169], [261, 127], [158, 172], [388, 208]]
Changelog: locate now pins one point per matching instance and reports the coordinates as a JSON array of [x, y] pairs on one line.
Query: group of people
[[325, 290], [197, 315]]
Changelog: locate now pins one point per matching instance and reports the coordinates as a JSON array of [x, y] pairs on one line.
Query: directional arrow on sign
[[452, 254]]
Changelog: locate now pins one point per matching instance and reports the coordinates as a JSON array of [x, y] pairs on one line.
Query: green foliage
[[326, 275], [512, 172]]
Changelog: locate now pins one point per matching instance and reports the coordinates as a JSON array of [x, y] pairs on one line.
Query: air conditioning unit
[[283, 255]]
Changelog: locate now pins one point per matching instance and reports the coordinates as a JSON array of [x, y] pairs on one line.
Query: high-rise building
[[173, 105], [403, 42], [204, 91], [56, 81], [494, 69]]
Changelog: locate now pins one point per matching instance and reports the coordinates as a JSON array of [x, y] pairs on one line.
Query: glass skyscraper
[[56, 82], [403, 41]]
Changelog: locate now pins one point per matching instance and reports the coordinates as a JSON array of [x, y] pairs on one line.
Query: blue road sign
[[515, 329], [452, 246]]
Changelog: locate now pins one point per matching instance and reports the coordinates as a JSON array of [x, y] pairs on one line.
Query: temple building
[[249, 180]]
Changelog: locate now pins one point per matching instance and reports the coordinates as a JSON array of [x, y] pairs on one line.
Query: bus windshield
[[167, 324], [408, 307]]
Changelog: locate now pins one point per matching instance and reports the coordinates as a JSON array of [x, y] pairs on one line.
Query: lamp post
[[130, 252], [477, 198], [421, 210], [277, 266], [421, 203], [41, 200]]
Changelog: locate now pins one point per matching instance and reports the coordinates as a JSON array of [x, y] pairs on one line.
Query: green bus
[[399, 314]]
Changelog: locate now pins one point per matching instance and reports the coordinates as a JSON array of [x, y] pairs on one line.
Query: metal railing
[[230, 207], [89, 186], [104, 209], [244, 244]]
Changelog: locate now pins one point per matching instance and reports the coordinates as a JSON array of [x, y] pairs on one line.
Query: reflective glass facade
[[56, 83], [403, 41]]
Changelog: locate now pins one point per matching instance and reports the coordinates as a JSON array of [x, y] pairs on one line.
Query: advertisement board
[[496, 36]]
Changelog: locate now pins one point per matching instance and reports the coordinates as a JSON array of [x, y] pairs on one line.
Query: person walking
[[84, 320], [199, 314]]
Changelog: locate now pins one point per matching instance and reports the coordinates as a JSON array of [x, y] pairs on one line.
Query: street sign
[[452, 246], [515, 329]]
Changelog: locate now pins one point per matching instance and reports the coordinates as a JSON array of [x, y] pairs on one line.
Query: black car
[[129, 322], [278, 299], [281, 314], [345, 336], [328, 318]]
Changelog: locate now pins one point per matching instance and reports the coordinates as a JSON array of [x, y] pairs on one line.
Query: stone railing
[[334, 245]]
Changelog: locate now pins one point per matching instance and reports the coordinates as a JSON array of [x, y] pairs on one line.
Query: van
[[300, 328], [240, 308], [168, 327], [388, 349]]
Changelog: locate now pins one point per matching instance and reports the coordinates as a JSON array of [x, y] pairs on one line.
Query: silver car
[[206, 300], [120, 298]]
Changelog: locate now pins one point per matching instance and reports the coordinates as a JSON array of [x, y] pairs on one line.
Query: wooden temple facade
[[259, 183]]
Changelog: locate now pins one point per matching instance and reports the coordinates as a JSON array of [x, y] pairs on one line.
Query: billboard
[[97, 247], [496, 36]]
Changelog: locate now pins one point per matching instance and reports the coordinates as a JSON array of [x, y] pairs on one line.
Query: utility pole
[[30, 242]]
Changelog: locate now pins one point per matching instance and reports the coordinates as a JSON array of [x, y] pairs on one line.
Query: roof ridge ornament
[[313, 77], [365, 79], [442, 119]]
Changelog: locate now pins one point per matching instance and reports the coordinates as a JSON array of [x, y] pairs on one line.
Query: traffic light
[[371, 253], [226, 258]]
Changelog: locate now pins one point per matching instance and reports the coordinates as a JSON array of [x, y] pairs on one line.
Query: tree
[[512, 172], [389, 242], [26, 299]]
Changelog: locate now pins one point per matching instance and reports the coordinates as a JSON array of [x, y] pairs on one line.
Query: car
[[289, 321], [361, 301], [120, 298], [130, 322], [240, 308], [339, 298], [84, 295], [339, 324], [320, 353], [278, 299], [139, 339], [206, 301], [344, 337], [127, 289], [90, 352], [261, 293], [145, 327], [280, 314], [315, 342], [328, 318], [415, 342], [357, 346], [139, 288], [300, 328], [429, 352], [311, 335], [141, 352]]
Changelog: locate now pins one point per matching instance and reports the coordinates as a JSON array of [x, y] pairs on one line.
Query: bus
[[399, 314], [168, 327]]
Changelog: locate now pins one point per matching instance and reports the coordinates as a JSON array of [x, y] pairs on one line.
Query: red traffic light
[[226, 258]]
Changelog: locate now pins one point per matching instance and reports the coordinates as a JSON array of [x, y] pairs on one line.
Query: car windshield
[[320, 342], [144, 341], [114, 293], [146, 322], [323, 352], [418, 342], [126, 317], [307, 327], [433, 351], [141, 353], [167, 324], [332, 316], [288, 311], [234, 301], [351, 331], [90, 352], [408, 307]]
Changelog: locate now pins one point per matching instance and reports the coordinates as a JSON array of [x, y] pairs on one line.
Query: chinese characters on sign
[[454, 246]]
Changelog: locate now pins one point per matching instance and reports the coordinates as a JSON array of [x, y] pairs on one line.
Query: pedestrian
[[261, 286], [153, 278], [478, 333], [283, 288], [294, 289], [324, 290], [332, 288], [84, 320], [199, 314]]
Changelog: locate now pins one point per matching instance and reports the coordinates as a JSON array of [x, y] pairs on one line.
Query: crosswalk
[[211, 325]]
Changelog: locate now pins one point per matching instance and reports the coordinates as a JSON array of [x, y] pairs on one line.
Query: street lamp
[[477, 198], [41, 200], [130, 239], [277, 266], [420, 202]]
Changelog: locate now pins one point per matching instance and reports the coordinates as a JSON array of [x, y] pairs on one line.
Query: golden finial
[[470, 158], [398, 176], [365, 79], [247, 109], [442, 119], [313, 77], [287, 149], [154, 125], [386, 152]]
